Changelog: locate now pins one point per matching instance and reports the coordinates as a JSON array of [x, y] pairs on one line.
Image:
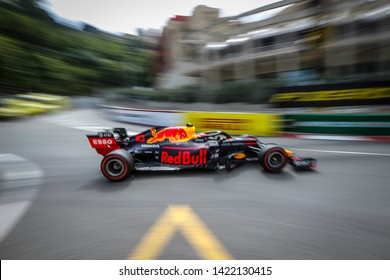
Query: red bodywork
[[104, 145]]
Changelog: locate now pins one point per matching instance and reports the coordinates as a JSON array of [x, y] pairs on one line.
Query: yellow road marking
[[180, 217]]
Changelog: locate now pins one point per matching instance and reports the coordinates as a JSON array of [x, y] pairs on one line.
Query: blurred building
[[298, 41], [182, 43], [147, 41]]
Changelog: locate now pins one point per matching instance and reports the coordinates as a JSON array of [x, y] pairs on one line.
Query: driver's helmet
[[190, 130]]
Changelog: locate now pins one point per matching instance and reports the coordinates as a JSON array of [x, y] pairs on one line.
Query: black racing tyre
[[117, 165], [273, 158]]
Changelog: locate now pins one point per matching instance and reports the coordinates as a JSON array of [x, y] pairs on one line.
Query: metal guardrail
[[338, 124]]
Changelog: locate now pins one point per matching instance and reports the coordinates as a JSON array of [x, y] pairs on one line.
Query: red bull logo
[[173, 134], [184, 158]]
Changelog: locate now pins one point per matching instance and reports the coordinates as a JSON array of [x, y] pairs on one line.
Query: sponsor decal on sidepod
[[184, 158]]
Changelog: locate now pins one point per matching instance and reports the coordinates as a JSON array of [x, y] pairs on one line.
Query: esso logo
[[102, 142]]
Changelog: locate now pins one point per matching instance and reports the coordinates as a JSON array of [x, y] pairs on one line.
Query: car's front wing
[[299, 163]]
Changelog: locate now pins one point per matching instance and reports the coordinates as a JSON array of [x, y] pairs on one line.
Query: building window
[[366, 27], [268, 43]]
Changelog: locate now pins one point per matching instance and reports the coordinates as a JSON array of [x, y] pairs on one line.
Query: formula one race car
[[174, 148]]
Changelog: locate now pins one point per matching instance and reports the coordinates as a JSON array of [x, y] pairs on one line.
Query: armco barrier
[[260, 124], [340, 124], [234, 123], [237, 123]]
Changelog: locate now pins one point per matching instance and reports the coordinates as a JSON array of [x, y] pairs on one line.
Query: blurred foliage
[[252, 92], [37, 54]]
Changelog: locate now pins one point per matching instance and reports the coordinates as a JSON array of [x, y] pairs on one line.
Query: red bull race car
[[175, 148]]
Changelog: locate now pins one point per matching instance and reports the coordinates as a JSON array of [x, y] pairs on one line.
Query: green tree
[[34, 9]]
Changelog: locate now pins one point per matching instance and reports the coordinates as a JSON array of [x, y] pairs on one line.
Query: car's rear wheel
[[117, 165], [273, 158]]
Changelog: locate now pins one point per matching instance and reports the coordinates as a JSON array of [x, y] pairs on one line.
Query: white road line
[[17, 171], [19, 181], [344, 152], [11, 213], [21, 175], [333, 137]]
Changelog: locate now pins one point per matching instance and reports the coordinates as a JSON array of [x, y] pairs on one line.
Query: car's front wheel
[[117, 165], [273, 158]]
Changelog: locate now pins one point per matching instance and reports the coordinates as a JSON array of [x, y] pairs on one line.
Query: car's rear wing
[[104, 142]]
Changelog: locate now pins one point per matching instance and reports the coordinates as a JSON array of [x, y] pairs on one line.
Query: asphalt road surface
[[55, 203]]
